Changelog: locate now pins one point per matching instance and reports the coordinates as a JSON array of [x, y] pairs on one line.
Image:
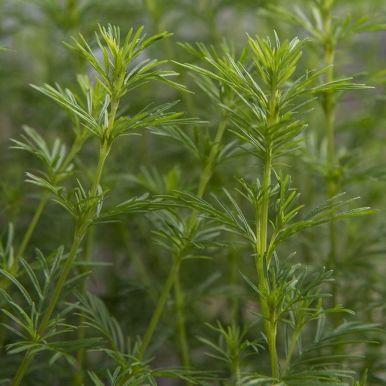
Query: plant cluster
[[204, 219]]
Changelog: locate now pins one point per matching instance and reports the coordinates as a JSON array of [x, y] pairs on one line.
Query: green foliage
[[195, 213]]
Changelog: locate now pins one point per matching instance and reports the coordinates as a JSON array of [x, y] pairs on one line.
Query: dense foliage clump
[[200, 207]]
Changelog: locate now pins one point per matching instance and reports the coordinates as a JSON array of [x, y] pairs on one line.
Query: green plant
[[327, 31], [266, 120], [153, 247], [97, 114]]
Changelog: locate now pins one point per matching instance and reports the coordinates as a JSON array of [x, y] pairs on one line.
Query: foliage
[[193, 213]]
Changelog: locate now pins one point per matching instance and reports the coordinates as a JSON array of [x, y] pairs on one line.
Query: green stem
[[207, 173], [262, 259], [205, 177], [31, 227], [181, 321], [159, 308], [79, 377], [237, 372], [104, 150], [28, 357], [233, 262], [263, 213], [25, 363], [291, 349], [73, 13], [75, 148], [79, 234], [329, 108], [174, 274], [103, 154], [272, 337], [270, 323]]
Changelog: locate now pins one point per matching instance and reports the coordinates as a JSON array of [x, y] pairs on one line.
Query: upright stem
[[103, 154], [178, 289], [291, 349], [181, 321], [207, 173], [233, 263], [79, 234], [75, 148], [329, 109], [263, 212], [158, 310], [104, 150], [32, 225], [25, 363], [262, 260], [29, 355], [174, 274], [78, 237], [270, 323], [237, 371], [73, 12], [81, 355]]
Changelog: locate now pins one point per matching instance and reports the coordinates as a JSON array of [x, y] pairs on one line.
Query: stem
[[178, 289], [291, 349], [25, 363], [235, 368], [81, 355], [272, 334], [75, 148], [237, 372], [103, 153], [159, 309], [79, 234], [270, 323], [31, 227], [263, 213], [73, 12], [29, 355], [233, 262], [104, 150], [181, 321], [262, 260], [174, 274], [207, 173], [329, 108]]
